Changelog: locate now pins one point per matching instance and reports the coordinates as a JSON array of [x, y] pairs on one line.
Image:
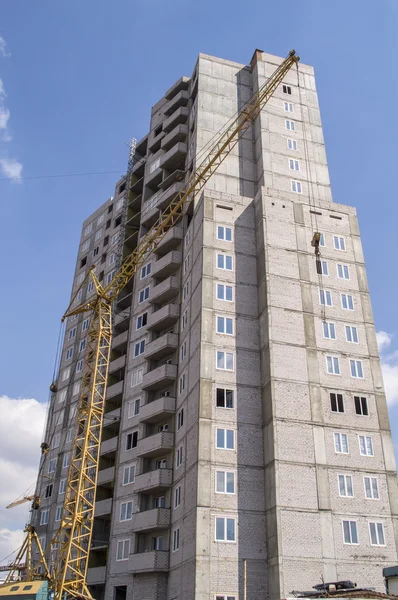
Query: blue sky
[[79, 80]]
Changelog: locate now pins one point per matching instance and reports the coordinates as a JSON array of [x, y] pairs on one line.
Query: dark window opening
[[118, 221], [287, 89], [337, 403], [83, 261], [131, 440], [224, 398], [103, 259], [110, 208], [361, 406], [49, 490], [27, 587], [122, 188], [101, 276], [108, 224], [95, 251], [318, 266], [158, 130], [106, 240]]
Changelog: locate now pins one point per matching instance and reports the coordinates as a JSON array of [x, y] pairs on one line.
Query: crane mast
[[73, 538]]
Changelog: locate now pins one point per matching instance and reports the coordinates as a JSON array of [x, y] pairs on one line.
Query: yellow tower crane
[[73, 539]]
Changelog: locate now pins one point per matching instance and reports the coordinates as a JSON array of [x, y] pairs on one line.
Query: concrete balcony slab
[[159, 377], [171, 240], [117, 364], [114, 390], [181, 84], [158, 410], [160, 479], [120, 339], [103, 507], [178, 134], [155, 445], [178, 116], [109, 446], [175, 157], [163, 318], [162, 346], [165, 291], [167, 265], [96, 575], [151, 519], [180, 99], [106, 476], [144, 562]]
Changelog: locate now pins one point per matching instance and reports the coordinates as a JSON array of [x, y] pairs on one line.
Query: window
[[288, 107], [56, 440], [119, 204], [181, 384], [224, 292], [114, 238], [88, 229], [351, 334], [361, 406], [187, 238], [177, 496], [146, 271], [123, 550], [176, 539], [139, 348], [225, 438], [356, 369], [371, 488], [180, 419], [290, 125], [159, 502], [336, 403], [126, 511], [131, 440], [224, 261], [82, 345], [62, 396], [343, 271], [350, 532], [95, 251], [296, 186], [291, 144], [72, 333], [225, 482], [163, 427], [294, 164], [110, 276], [90, 287], [186, 264], [347, 302], [69, 435], [225, 529], [286, 90], [185, 291], [329, 330], [58, 513], [142, 321], [128, 474], [161, 463], [85, 324], [225, 325], [76, 389], [44, 517], [112, 259], [42, 540], [322, 267], [143, 295], [101, 219], [224, 233], [184, 319], [333, 365], [134, 408], [179, 457], [62, 486], [136, 377], [338, 242], [85, 245], [224, 398], [366, 445], [157, 543], [98, 234], [345, 486], [183, 350], [48, 491], [376, 532], [80, 278], [66, 461], [154, 165], [325, 298], [59, 417], [52, 465], [225, 361], [340, 443], [79, 366]]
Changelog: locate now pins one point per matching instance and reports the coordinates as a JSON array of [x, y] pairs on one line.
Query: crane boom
[[74, 535]]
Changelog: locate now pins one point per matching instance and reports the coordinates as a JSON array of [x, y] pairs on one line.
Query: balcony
[[176, 175], [103, 507], [143, 562], [119, 340], [137, 185], [175, 157], [163, 318], [117, 364], [151, 519], [106, 476], [179, 116], [167, 265], [114, 390], [180, 84], [153, 481], [158, 378], [154, 178], [111, 417], [158, 410], [96, 575], [178, 134], [138, 167], [165, 291], [168, 195], [109, 446], [171, 240], [161, 347], [180, 99], [156, 445]]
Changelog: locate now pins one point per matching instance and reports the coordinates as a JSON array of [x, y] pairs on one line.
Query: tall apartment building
[[246, 422]]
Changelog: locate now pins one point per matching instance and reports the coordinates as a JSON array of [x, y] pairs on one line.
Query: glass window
[[290, 125], [224, 261], [139, 348], [347, 302], [224, 292], [333, 365], [224, 398], [225, 529], [294, 164], [329, 330], [292, 144], [225, 482], [338, 242], [351, 334], [325, 298], [126, 511], [341, 443], [366, 445], [376, 532], [350, 533], [296, 186], [225, 438], [225, 325], [345, 486], [343, 271], [224, 233], [361, 405], [128, 474], [288, 107], [143, 295], [356, 368], [122, 550], [225, 361], [371, 488], [336, 402]]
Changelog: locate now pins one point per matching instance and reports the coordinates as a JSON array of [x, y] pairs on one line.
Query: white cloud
[[3, 47], [4, 116], [389, 366], [2, 90], [21, 427], [11, 168]]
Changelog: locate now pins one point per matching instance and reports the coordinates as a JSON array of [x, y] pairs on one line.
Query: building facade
[[246, 440]]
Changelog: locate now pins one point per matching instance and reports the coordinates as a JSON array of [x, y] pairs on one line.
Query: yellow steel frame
[[74, 534], [23, 560]]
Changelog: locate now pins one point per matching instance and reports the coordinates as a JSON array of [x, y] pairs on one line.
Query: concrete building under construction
[[246, 440]]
